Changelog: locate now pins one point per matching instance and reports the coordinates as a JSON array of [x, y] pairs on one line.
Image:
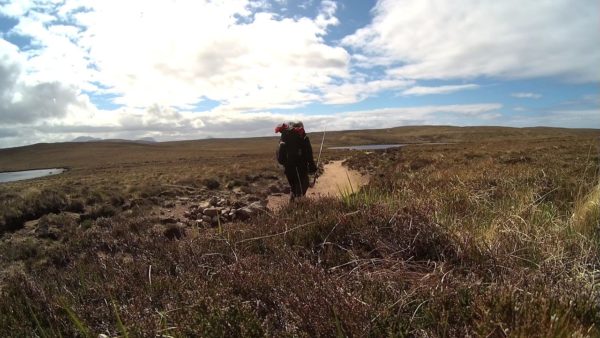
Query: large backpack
[[291, 150]]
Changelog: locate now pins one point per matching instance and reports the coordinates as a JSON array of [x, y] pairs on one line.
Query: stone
[[234, 183], [47, 232], [73, 215], [246, 190], [213, 201], [212, 212], [244, 213], [176, 231], [211, 183], [252, 178], [31, 224], [256, 206], [274, 188], [167, 193], [253, 198], [206, 219], [203, 205], [168, 220]]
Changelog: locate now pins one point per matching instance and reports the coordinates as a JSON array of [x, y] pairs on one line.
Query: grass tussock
[[472, 239], [586, 216]]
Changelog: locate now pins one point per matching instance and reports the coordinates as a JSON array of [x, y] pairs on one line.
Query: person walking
[[296, 156]]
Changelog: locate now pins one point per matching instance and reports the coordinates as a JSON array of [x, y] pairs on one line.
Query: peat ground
[[496, 234]]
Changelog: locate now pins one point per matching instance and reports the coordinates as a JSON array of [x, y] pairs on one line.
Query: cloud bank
[[438, 39]]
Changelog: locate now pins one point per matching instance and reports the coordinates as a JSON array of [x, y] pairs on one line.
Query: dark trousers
[[298, 179]]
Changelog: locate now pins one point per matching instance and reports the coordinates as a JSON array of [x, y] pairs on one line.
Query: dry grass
[[467, 239], [586, 216]]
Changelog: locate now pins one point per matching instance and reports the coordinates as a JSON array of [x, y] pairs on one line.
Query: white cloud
[[438, 39], [525, 95], [15, 8], [21, 102], [178, 54], [360, 89], [419, 90], [157, 53], [326, 16]]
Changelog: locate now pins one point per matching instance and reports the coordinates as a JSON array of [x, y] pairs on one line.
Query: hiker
[[295, 154]]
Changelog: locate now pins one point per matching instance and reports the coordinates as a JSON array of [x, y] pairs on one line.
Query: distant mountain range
[[95, 139]]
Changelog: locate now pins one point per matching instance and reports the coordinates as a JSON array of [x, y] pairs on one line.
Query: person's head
[[297, 124]]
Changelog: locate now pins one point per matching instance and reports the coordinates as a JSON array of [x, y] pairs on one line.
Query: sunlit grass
[[586, 215]]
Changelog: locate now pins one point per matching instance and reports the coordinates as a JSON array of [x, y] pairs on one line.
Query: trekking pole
[[319, 158]]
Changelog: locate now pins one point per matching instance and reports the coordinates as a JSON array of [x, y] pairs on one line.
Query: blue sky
[[191, 69]]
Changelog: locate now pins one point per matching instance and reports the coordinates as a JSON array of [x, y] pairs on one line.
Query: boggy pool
[[369, 147], [386, 146], [11, 176]]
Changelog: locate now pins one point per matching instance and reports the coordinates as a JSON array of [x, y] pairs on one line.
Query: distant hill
[[146, 139], [85, 139], [94, 139], [98, 153]]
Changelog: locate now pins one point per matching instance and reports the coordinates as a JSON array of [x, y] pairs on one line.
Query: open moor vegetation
[[495, 233]]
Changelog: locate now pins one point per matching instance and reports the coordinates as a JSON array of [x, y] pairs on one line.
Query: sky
[[177, 69]]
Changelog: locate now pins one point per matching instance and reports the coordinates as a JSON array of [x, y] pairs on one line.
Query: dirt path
[[336, 178]]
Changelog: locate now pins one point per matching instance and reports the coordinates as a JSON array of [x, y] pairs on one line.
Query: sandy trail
[[335, 179]]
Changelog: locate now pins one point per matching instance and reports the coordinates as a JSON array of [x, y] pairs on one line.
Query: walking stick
[[319, 158]]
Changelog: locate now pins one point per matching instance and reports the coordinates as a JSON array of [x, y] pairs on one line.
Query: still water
[[370, 147], [28, 174]]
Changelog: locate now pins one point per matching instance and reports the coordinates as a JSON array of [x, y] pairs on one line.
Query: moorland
[[489, 232]]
